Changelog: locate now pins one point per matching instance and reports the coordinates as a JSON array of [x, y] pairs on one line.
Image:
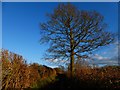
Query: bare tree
[[73, 33]]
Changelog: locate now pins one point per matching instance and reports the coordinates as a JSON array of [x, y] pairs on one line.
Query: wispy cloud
[[109, 57], [98, 59]]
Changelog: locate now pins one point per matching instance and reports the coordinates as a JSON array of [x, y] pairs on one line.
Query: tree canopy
[[74, 33]]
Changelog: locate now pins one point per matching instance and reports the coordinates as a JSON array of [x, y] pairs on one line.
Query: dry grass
[[17, 74]]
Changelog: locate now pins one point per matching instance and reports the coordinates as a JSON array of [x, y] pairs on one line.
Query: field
[[17, 74]]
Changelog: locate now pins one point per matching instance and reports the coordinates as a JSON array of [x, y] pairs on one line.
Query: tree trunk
[[72, 64], [71, 54]]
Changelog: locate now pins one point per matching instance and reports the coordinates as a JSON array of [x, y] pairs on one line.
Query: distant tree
[[73, 33]]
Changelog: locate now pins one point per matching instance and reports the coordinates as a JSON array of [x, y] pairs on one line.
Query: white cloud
[[104, 53], [98, 60], [52, 60], [98, 57]]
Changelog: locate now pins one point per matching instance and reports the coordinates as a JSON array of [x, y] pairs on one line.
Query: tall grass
[[17, 74]]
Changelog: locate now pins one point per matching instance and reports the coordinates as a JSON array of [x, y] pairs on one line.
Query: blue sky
[[21, 30]]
